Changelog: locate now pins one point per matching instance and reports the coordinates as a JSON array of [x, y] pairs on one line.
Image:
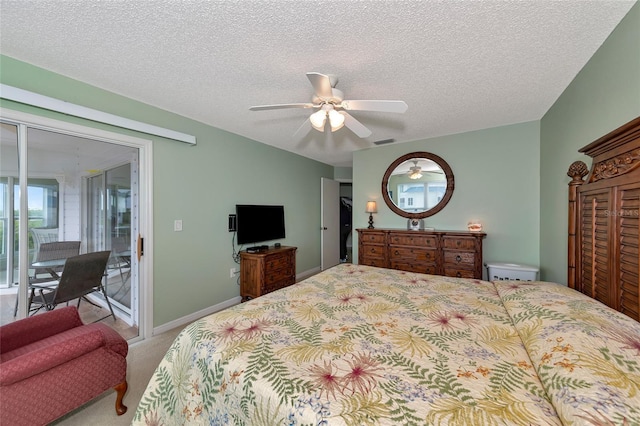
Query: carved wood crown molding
[[616, 166]]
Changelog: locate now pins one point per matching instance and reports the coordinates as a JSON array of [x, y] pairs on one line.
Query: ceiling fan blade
[[382, 106], [355, 126], [281, 106], [321, 84], [302, 130]]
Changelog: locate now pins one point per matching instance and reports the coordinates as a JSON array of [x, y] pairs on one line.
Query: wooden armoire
[[604, 220]]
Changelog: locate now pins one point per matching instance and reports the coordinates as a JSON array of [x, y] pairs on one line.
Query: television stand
[[256, 249], [266, 271]]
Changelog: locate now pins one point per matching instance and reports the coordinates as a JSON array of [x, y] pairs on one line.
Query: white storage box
[[511, 271]]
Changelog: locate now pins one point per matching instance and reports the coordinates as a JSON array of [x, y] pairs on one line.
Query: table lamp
[[371, 208]]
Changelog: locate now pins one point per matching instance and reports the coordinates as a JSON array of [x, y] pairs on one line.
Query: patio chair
[[82, 275], [47, 252], [43, 235], [53, 251], [121, 258]]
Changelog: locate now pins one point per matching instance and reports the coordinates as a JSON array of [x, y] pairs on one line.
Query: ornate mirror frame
[[435, 209]]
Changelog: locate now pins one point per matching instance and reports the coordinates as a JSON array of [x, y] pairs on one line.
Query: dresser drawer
[[273, 276], [459, 243], [413, 267], [458, 273], [460, 259], [273, 283], [373, 250], [408, 253], [372, 237], [373, 261], [414, 240], [278, 261]]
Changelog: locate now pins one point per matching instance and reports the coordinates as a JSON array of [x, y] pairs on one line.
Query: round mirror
[[417, 185]]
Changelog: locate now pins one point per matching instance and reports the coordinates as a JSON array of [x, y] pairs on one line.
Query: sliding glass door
[[42, 221], [78, 189], [110, 208]]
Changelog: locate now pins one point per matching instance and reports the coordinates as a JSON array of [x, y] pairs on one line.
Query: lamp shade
[[318, 119], [336, 120], [415, 172], [371, 207]]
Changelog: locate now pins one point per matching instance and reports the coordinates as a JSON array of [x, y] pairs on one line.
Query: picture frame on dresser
[[415, 224]]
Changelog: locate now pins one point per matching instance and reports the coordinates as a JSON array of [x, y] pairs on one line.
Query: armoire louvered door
[[595, 225], [627, 257]]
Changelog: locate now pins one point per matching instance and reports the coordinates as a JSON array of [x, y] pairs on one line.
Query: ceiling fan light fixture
[[318, 119], [327, 98], [415, 172], [336, 120]]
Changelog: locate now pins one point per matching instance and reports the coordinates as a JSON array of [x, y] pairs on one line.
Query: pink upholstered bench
[[52, 363]]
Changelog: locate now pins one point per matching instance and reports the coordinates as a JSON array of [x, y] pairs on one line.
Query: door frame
[[145, 150]]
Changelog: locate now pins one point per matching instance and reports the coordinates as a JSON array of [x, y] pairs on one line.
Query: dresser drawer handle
[[373, 250], [397, 252], [458, 274], [458, 259]]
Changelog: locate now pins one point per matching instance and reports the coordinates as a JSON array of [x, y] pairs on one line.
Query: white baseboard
[[188, 319], [306, 274]]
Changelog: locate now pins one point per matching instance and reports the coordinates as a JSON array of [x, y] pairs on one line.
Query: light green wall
[[603, 96], [496, 182], [200, 185], [344, 174]]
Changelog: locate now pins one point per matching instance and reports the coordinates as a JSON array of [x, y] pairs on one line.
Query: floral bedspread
[[357, 345]]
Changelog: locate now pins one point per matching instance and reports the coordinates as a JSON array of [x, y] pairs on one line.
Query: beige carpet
[[142, 360]]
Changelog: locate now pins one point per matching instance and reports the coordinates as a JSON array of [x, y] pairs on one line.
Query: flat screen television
[[259, 223]]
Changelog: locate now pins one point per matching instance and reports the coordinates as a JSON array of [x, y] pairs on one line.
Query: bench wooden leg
[[121, 389]]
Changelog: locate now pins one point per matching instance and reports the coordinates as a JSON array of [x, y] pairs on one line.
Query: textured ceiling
[[459, 65]]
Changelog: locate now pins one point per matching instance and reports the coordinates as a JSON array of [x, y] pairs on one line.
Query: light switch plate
[[177, 225]]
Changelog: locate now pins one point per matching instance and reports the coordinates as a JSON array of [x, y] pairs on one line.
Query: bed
[[360, 345]]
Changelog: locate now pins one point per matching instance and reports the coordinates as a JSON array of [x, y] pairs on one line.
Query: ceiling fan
[[332, 107], [418, 169], [415, 171]]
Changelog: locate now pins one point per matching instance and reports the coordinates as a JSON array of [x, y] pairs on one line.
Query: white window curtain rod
[[30, 98]]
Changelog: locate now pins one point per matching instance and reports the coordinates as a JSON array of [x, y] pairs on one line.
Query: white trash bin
[[511, 271]]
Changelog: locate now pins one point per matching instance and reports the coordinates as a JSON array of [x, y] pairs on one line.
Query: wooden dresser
[[266, 271], [604, 221], [450, 253]]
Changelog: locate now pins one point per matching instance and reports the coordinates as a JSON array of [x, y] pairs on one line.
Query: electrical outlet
[[232, 272]]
